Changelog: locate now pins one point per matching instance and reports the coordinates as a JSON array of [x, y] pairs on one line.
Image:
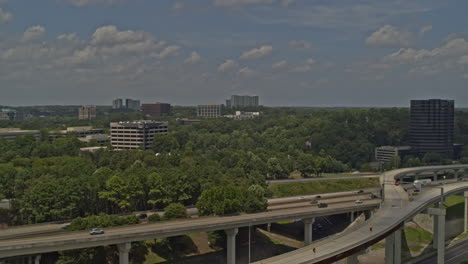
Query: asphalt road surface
[[453, 255]]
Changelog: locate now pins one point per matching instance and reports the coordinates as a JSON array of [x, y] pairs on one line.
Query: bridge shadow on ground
[[261, 247]]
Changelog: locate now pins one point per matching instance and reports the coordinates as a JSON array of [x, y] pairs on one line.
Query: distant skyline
[[323, 53]]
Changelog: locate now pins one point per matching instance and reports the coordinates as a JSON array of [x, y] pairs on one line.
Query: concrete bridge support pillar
[[397, 249], [465, 220], [439, 213], [231, 245], [435, 232], [351, 216], [352, 259], [124, 248], [435, 175], [389, 249], [37, 259], [308, 230]]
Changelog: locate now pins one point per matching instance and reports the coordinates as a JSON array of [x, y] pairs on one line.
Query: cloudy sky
[[186, 52]]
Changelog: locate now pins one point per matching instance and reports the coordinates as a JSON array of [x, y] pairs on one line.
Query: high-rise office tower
[[87, 112], [132, 104], [431, 126], [156, 109], [242, 101], [117, 104]]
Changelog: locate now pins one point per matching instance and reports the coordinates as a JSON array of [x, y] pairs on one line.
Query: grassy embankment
[[314, 187], [455, 206]]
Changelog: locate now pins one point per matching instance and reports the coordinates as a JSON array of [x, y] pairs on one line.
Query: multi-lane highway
[[273, 204], [81, 239], [395, 211], [362, 176]]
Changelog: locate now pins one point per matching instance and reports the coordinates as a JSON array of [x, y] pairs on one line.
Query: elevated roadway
[[273, 204], [387, 222], [121, 235], [364, 176]]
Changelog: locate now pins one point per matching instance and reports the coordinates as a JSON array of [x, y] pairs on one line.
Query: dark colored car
[[142, 216], [372, 196], [360, 191], [322, 205], [318, 197], [314, 201]]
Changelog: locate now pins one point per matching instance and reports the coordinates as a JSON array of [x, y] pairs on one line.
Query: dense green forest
[[50, 181]]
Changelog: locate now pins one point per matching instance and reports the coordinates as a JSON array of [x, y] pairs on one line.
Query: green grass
[[418, 236], [461, 236], [455, 206], [303, 188], [377, 246]]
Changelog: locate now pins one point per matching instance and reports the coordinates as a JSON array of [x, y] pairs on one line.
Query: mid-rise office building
[[187, 122], [117, 104], [432, 126], [156, 109], [87, 112], [101, 139], [242, 101], [12, 133], [210, 110], [239, 115], [385, 154], [135, 134], [132, 104], [8, 114]]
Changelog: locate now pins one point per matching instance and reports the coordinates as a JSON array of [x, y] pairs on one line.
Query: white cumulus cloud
[[168, 51], [257, 53], [279, 64], [390, 36], [5, 17], [33, 33], [227, 66], [194, 58], [247, 72]]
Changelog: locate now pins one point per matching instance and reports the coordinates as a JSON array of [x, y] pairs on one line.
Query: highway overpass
[[386, 223], [122, 236]]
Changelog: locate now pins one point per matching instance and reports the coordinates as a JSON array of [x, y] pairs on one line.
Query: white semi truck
[[419, 183]]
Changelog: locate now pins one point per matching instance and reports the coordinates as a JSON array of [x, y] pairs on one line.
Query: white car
[[96, 231], [358, 202]]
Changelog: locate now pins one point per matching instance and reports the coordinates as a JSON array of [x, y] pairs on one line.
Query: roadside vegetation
[[303, 188]]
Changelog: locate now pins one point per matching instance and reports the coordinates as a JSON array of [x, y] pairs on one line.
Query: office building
[[242, 101], [135, 134], [385, 154], [156, 109], [431, 126], [187, 122], [239, 115], [87, 112], [80, 132], [7, 114], [12, 133], [101, 139], [117, 104], [209, 111], [133, 105]]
